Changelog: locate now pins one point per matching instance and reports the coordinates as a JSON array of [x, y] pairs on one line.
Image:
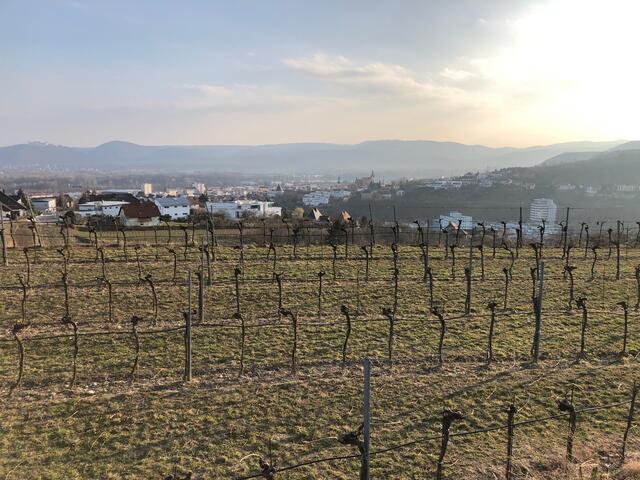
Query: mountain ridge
[[388, 157]]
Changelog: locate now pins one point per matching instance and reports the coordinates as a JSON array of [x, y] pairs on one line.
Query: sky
[[491, 72]]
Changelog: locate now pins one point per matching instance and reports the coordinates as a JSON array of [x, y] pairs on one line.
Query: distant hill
[[616, 166], [390, 158], [635, 145], [569, 157]]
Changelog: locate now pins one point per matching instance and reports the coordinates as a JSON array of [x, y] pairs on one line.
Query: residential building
[[11, 207], [103, 208], [44, 204], [543, 209], [627, 188], [238, 209], [323, 197], [145, 214], [443, 184], [147, 188], [178, 208], [315, 199]]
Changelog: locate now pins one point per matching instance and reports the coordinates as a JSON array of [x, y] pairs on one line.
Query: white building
[[104, 208], [444, 184], [315, 199], [458, 219], [200, 188], [322, 197], [177, 208], [543, 208], [44, 204], [238, 209], [147, 188]]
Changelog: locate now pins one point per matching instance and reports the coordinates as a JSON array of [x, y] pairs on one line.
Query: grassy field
[[217, 425]]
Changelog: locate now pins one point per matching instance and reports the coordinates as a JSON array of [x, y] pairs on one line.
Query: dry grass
[[218, 424]]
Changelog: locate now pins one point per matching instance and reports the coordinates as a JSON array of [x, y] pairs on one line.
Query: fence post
[[470, 279], [440, 314], [236, 273], [200, 276], [511, 412], [505, 270], [491, 306], [634, 393], [279, 282], [538, 313], [566, 234], [519, 238], [625, 308], [366, 420], [187, 334]]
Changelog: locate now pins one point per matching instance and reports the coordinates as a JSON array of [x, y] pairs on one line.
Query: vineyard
[[238, 353]]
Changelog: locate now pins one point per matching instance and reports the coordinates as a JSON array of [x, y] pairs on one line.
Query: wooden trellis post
[[366, 420], [321, 274], [334, 247], [625, 309], [440, 315], [200, 275], [279, 282], [505, 270], [511, 412], [187, 334], [492, 307], [537, 301]]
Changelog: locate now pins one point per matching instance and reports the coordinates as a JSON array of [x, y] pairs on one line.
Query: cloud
[[452, 89], [248, 97], [372, 78], [210, 91], [456, 74]]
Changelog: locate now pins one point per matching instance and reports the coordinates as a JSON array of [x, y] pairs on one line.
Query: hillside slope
[[614, 167]]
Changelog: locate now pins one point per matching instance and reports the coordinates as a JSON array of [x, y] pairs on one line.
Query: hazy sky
[[475, 71]]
